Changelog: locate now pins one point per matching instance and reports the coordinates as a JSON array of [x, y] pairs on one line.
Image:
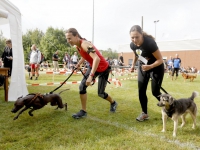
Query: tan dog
[[177, 108], [190, 76]]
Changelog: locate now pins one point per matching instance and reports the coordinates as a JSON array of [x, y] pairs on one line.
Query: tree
[[30, 38], [110, 53], [54, 40], [2, 43]]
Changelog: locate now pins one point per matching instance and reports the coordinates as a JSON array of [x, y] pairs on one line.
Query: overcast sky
[[178, 19]]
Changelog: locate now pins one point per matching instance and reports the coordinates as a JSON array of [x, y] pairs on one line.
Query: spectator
[[1, 63], [35, 58], [176, 66], [7, 56], [66, 61], [55, 61], [121, 60], [170, 63], [74, 59]]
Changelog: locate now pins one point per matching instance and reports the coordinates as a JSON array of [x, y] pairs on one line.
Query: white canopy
[[11, 14]]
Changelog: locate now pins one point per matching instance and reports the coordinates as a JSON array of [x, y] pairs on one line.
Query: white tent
[[11, 14]]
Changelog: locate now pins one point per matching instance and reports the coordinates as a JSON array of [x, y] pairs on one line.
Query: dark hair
[[8, 41], [139, 29], [74, 32]]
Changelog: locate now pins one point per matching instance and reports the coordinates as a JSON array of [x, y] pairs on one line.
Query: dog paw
[[15, 118], [163, 131], [30, 114], [65, 106]]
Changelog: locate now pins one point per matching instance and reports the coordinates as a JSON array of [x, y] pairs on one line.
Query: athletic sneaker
[[142, 117], [113, 106], [80, 114]]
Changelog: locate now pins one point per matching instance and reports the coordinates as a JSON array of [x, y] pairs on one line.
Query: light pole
[[93, 24], [156, 21]]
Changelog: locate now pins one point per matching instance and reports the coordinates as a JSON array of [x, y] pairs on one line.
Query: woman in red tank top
[[98, 67]]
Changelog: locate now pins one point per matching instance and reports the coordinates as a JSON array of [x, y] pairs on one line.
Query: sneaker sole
[[76, 117], [142, 120]]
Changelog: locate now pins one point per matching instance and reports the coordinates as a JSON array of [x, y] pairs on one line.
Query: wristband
[[91, 74]]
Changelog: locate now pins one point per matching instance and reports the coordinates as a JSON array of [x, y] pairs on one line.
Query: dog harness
[[37, 95], [170, 112]]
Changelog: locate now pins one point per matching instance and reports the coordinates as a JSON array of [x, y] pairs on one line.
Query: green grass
[[51, 129]]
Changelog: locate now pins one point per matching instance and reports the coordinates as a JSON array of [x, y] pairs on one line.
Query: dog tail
[[194, 94], [62, 91]]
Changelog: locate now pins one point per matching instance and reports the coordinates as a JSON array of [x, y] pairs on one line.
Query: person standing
[[66, 61], [176, 66], [55, 61], [121, 60], [98, 67], [170, 63], [7, 57], [35, 58], [74, 59], [144, 45]]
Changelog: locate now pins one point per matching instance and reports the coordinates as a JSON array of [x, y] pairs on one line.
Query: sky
[[178, 19]]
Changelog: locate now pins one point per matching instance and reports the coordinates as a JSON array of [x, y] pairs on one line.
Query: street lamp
[[93, 24], [156, 21]]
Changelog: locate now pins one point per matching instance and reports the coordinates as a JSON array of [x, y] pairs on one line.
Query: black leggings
[[175, 70], [102, 82], [156, 74]]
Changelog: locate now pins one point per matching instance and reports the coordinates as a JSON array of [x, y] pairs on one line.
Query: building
[[188, 51]]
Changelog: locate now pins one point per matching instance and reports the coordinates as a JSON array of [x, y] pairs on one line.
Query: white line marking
[[118, 125]]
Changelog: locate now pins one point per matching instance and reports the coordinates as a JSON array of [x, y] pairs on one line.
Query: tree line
[[50, 41]]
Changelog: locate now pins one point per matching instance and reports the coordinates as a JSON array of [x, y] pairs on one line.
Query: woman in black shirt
[[144, 45]]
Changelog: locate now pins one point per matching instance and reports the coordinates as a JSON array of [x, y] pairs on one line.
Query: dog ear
[[171, 100], [20, 97]]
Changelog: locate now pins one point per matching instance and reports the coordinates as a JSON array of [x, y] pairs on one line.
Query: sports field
[[51, 129]]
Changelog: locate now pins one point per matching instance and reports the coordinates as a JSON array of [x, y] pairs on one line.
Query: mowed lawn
[[51, 129]]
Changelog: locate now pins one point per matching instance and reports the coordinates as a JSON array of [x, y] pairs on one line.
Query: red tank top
[[103, 64]]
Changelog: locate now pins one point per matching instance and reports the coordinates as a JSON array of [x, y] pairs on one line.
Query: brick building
[[188, 50]]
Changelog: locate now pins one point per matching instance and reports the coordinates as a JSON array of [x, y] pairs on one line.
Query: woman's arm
[[159, 61], [85, 45], [135, 58]]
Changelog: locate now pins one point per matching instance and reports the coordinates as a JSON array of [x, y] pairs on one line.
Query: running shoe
[[142, 117], [113, 106], [80, 114]]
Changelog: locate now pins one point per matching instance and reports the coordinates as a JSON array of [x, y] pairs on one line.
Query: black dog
[[37, 101]]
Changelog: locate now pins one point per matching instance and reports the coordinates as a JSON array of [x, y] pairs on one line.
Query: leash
[[152, 79], [63, 82]]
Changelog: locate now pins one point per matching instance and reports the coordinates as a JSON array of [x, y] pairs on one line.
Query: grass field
[[51, 129]]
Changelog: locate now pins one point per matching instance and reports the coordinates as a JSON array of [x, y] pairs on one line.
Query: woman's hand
[[89, 80], [132, 69], [146, 67]]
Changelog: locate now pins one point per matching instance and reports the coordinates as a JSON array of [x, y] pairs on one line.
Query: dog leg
[[30, 112], [65, 106], [193, 115], [183, 119], [164, 119], [175, 119], [20, 113]]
